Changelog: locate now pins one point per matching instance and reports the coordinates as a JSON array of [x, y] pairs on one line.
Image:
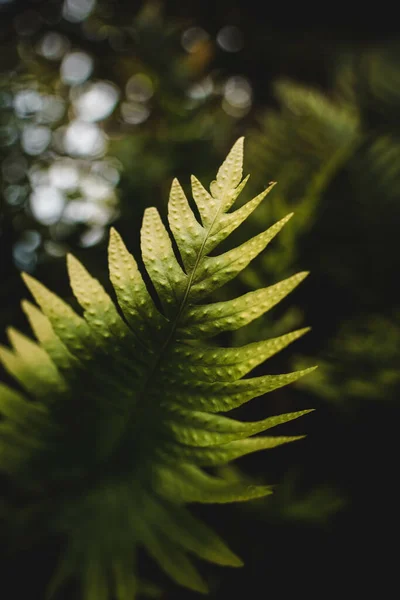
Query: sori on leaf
[[117, 412]]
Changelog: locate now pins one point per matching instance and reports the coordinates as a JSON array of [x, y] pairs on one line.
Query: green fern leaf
[[121, 404]]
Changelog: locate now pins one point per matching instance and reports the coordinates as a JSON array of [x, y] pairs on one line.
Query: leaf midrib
[[140, 406]]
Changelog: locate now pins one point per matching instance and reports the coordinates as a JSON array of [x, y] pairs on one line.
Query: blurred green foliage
[[360, 364], [336, 159]]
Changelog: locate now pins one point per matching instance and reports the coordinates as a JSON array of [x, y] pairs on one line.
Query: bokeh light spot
[[84, 139], [139, 88], [134, 113], [35, 139], [95, 101], [193, 38], [27, 102], [47, 204], [230, 38], [53, 46], [64, 175], [237, 96], [76, 11], [76, 67]]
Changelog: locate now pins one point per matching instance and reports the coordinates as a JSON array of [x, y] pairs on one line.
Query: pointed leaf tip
[[72, 261], [229, 176], [25, 304], [26, 278], [34, 286], [114, 238]]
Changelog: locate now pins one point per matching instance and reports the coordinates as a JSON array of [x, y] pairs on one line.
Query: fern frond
[[121, 404]]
